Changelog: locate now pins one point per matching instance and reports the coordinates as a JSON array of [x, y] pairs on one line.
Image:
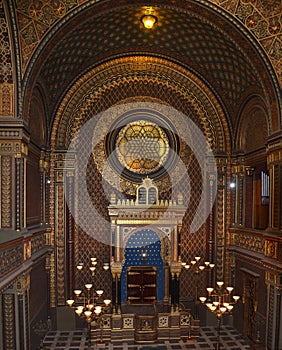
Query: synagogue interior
[[140, 173]]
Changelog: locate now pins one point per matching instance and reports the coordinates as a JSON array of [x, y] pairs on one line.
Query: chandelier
[[88, 302], [219, 301], [196, 267]]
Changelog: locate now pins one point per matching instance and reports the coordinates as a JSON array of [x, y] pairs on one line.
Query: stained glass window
[[142, 147]]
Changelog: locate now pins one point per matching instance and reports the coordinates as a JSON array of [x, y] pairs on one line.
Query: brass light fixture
[[196, 267], [220, 301], [88, 303], [149, 19]]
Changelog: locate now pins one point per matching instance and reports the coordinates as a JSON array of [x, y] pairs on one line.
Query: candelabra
[[87, 302], [220, 302], [197, 268]]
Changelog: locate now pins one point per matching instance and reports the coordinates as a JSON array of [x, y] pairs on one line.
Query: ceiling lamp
[[149, 19]]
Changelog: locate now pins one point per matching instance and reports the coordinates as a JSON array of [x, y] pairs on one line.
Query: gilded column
[[218, 239], [59, 225], [70, 207], [9, 329], [44, 186], [274, 310], [238, 173], [13, 150], [274, 161], [16, 325]]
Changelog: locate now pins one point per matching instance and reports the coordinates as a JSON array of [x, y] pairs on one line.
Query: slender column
[[70, 230], [9, 330], [274, 310], [172, 283], [15, 304], [166, 283], [44, 186], [274, 161], [238, 175], [13, 179]]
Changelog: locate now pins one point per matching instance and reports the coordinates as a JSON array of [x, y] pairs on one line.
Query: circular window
[[142, 142], [142, 147]]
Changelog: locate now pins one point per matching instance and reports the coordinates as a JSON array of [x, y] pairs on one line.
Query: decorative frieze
[[38, 242], [10, 258], [257, 242]]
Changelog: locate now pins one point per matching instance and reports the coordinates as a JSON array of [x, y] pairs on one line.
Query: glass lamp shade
[[78, 311], [106, 266], [107, 301], [87, 313], [98, 310], [70, 302], [79, 266], [148, 20]]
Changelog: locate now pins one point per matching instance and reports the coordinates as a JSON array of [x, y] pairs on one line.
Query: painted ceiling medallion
[[142, 147]]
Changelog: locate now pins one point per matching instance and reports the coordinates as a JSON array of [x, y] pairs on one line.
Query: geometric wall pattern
[[145, 89], [5, 52]]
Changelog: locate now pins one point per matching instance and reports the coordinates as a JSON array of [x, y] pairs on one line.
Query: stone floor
[[230, 340]]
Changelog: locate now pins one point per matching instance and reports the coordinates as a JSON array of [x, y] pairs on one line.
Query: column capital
[[274, 149]]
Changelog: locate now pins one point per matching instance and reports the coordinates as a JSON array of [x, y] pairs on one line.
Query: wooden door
[[141, 284]]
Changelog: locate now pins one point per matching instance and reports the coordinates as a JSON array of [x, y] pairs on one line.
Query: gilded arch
[[84, 99]]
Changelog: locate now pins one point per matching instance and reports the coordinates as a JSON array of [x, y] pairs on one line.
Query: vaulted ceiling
[[233, 46]]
